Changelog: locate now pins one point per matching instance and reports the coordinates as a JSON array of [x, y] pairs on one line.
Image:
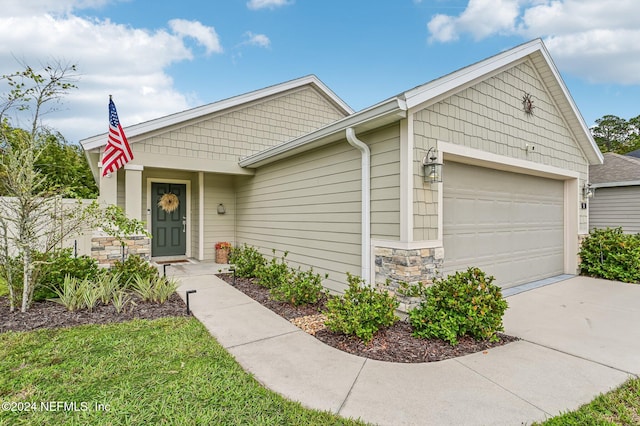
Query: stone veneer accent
[[411, 266], [108, 249]]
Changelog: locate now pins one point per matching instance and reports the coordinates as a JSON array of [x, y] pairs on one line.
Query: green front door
[[168, 219]]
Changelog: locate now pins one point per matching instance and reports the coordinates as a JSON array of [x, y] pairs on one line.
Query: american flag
[[117, 153]]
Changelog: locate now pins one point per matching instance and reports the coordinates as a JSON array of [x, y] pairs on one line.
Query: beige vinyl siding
[[385, 182], [238, 132], [218, 189], [308, 205], [616, 207], [489, 116]]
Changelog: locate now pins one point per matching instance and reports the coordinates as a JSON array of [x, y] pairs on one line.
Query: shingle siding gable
[[230, 135], [489, 116]]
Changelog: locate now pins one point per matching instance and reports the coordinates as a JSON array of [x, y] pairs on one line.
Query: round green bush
[[361, 311], [246, 260], [466, 303], [612, 255]]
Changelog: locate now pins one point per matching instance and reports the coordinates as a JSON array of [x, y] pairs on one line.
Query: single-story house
[[484, 166], [615, 186]]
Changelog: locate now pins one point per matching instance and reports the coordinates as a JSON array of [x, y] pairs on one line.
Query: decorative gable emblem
[[527, 104]]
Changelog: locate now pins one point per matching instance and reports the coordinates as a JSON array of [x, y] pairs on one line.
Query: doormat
[[166, 262]]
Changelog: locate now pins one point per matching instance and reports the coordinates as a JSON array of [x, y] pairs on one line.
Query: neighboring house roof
[[617, 170], [190, 114], [397, 107], [635, 153]]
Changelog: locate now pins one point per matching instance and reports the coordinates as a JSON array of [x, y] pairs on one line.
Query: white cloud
[[594, 39], [259, 40], [204, 35], [267, 4], [128, 63], [442, 28], [55, 7], [481, 18]]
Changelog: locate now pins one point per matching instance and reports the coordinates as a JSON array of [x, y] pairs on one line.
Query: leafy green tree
[[610, 133], [63, 166], [634, 138], [615, 134]]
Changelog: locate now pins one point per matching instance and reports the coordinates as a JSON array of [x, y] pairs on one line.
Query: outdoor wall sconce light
[[587, 191], [221, 209], [432, 169]]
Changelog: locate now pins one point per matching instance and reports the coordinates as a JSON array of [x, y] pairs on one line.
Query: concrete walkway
[[580, 338]]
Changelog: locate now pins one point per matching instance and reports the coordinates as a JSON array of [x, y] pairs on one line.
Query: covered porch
[[200, 213]]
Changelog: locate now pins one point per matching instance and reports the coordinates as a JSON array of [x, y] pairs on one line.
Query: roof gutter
[[366, 202], [615, 184]]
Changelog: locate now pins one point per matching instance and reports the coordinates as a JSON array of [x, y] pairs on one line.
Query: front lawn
[[165, 371]]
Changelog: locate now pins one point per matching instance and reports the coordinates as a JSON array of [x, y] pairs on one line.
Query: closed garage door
[[510, 225]]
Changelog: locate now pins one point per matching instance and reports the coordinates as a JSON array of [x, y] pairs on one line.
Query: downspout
[[366, 202]]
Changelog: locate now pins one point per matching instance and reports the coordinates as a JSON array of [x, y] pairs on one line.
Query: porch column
[[108, 188], [133, 191], [200, 215]]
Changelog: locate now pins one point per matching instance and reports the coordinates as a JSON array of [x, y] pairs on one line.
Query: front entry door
[[168, 220]]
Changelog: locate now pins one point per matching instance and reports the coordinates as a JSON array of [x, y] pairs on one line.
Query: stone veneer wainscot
[[412, 266], [107, 250]]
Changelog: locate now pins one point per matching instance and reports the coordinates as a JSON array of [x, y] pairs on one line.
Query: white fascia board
[[468, 74], [460, 78], [390, 110], [180, 117], [597, 157]]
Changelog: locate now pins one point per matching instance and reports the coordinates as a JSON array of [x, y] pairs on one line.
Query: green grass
[[167, 371], [621, 406]]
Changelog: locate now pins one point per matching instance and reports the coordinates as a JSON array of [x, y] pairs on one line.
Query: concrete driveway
[[592, 319]]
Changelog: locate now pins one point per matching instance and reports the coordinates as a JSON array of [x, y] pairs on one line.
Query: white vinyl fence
[[50, 219]]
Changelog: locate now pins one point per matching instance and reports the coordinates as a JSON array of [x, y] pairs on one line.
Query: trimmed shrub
[[59, 265], [134, 266], [275, 273], [301, 289], [612, 255], [466, 303], [246, 260], [361, 311]]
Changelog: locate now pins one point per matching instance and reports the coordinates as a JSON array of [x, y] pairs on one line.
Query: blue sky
[[158, 57]]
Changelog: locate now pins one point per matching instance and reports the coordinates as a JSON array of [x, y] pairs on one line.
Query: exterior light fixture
[[221, 209], [432, 169], [587, 191]]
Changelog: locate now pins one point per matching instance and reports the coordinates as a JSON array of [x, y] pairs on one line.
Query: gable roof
[[617, 170], [159, 123], [397, 107]]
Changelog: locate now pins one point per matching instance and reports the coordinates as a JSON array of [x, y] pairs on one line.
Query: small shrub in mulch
[[463, 304], [394, 343]]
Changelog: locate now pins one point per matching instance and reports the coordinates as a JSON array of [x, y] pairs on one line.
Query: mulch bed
[[394, 344], [48, 314]]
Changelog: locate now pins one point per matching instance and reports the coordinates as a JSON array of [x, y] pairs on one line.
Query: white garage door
[[510, 225]]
